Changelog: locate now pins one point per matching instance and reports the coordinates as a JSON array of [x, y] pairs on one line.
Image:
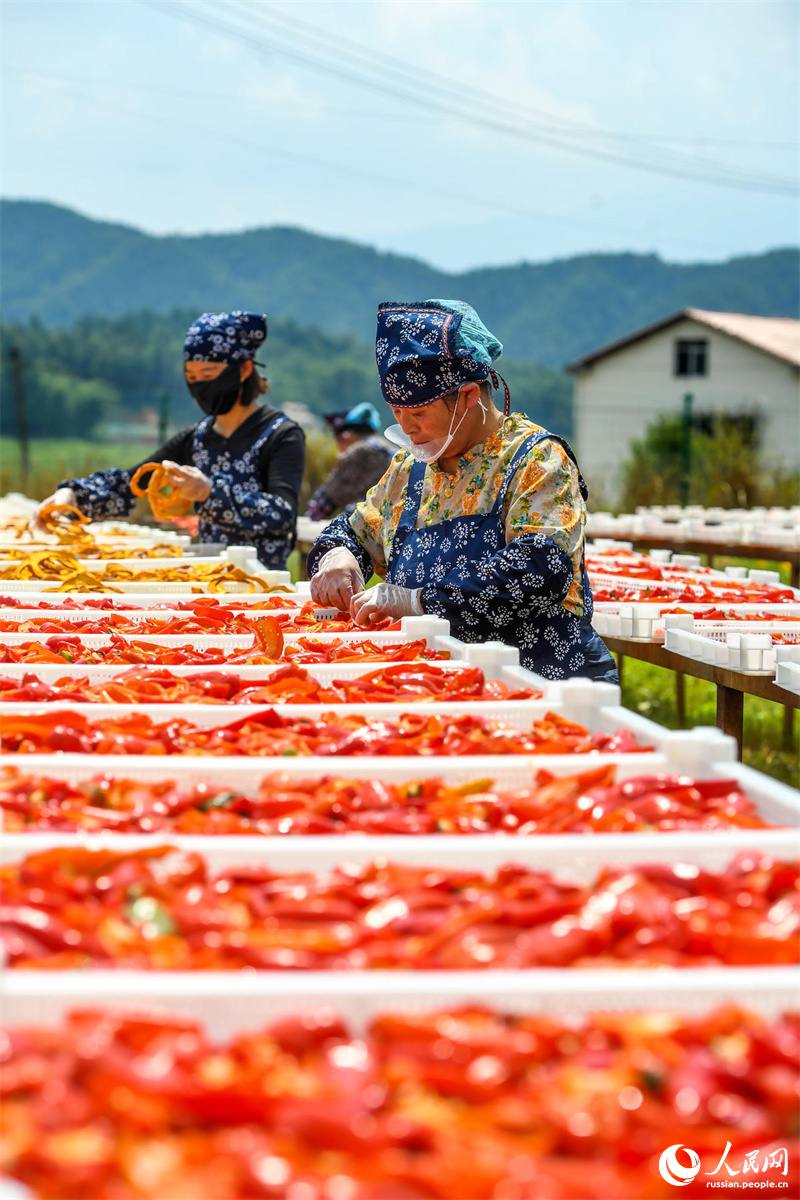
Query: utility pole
[[686, 449], [163, 417], [15, 356]]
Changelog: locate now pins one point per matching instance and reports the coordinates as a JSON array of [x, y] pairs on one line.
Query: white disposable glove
[[189, 483], [60, 496], [385, 600], [337, 580]]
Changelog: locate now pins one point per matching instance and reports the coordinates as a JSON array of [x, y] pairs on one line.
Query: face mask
[[218, 396], [427, 452]]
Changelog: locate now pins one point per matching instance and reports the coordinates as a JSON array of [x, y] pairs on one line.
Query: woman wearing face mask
[[479, 519], [242, 465]]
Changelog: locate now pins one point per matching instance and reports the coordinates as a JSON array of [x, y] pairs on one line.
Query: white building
[[747, 366]]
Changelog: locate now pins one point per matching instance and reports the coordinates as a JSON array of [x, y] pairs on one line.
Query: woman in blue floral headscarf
[[480, 518], [242, 465]]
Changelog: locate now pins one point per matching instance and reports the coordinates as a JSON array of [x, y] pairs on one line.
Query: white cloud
[[713, 69]]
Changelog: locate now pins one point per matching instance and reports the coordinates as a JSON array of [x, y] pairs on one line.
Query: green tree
[[727, 468]]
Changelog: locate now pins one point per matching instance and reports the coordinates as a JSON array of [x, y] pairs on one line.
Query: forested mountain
[[76, 378], [59, 267]]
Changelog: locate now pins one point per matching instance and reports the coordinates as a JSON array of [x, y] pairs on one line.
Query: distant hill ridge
[[59, 266]]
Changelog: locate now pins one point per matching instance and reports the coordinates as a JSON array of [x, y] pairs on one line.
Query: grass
[[54, 459], [650, 691]]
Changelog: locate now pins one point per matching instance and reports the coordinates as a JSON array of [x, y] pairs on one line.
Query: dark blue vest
[[243, 471]]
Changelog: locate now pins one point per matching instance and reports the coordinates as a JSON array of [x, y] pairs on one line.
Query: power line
[[480, 201], [719, 175], [188, 94], [404, 69], [362, 113], [565, 126]]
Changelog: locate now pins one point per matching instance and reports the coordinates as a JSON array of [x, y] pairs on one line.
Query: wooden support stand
[[732, 686]]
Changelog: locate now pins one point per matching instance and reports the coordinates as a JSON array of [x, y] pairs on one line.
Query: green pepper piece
[[147, 911], [221, 800]]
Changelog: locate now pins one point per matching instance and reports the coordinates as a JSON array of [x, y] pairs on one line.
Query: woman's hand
[[337, 579], [385, 600], [61, 496], [188, 482]]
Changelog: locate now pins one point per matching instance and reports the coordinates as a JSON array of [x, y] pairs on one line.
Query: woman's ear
[[471, 393], [246, 369]]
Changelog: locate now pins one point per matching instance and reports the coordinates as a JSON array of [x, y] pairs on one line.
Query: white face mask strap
[[453, 414]]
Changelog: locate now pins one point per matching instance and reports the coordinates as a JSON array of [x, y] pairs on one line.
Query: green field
[[54, 459]]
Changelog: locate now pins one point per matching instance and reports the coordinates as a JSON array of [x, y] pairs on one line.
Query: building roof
[[776, 336]]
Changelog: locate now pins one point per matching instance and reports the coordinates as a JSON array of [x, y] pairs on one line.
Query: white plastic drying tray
[[688, 751], [602, 549], [240, 556], [433, 630], [271, 579], [308, 530], [135, 601], [508, 770], [695, 752], [580, 692], [577, 856], [676, 565], [109, 529], [787, 668], [229, 642], [744, 646], [228, 1002], [113, 544], [107, 532], [645, 621], [707, 580], [69, 616], [142, 612], [94, 641], [593, 705], [495, 660]]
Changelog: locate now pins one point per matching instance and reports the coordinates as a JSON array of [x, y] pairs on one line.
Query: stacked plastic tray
[[749, 646], [676, 582], [754, 526], [98, 566], [229, 1002]]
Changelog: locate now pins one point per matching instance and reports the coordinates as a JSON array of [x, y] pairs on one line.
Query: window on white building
[[691, 357]]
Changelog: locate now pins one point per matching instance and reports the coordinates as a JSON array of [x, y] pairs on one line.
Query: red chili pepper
[[430, 1104], [117, 907]]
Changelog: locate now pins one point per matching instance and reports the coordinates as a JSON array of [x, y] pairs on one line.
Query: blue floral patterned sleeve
[[103, 495], [242, 506], [107, 494], [339, 533]]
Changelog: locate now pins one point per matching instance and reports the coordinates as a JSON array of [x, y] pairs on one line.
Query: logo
[[679, 1175], [675, 1172]]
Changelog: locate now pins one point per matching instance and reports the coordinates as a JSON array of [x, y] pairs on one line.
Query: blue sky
[[137, 112]]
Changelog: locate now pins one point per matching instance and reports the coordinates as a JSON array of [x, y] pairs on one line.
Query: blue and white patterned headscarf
[[425, 350], [225, 337]]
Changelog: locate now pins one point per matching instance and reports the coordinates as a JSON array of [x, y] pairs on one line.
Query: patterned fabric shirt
[[255, 476], [544, 498], [362, 465]]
